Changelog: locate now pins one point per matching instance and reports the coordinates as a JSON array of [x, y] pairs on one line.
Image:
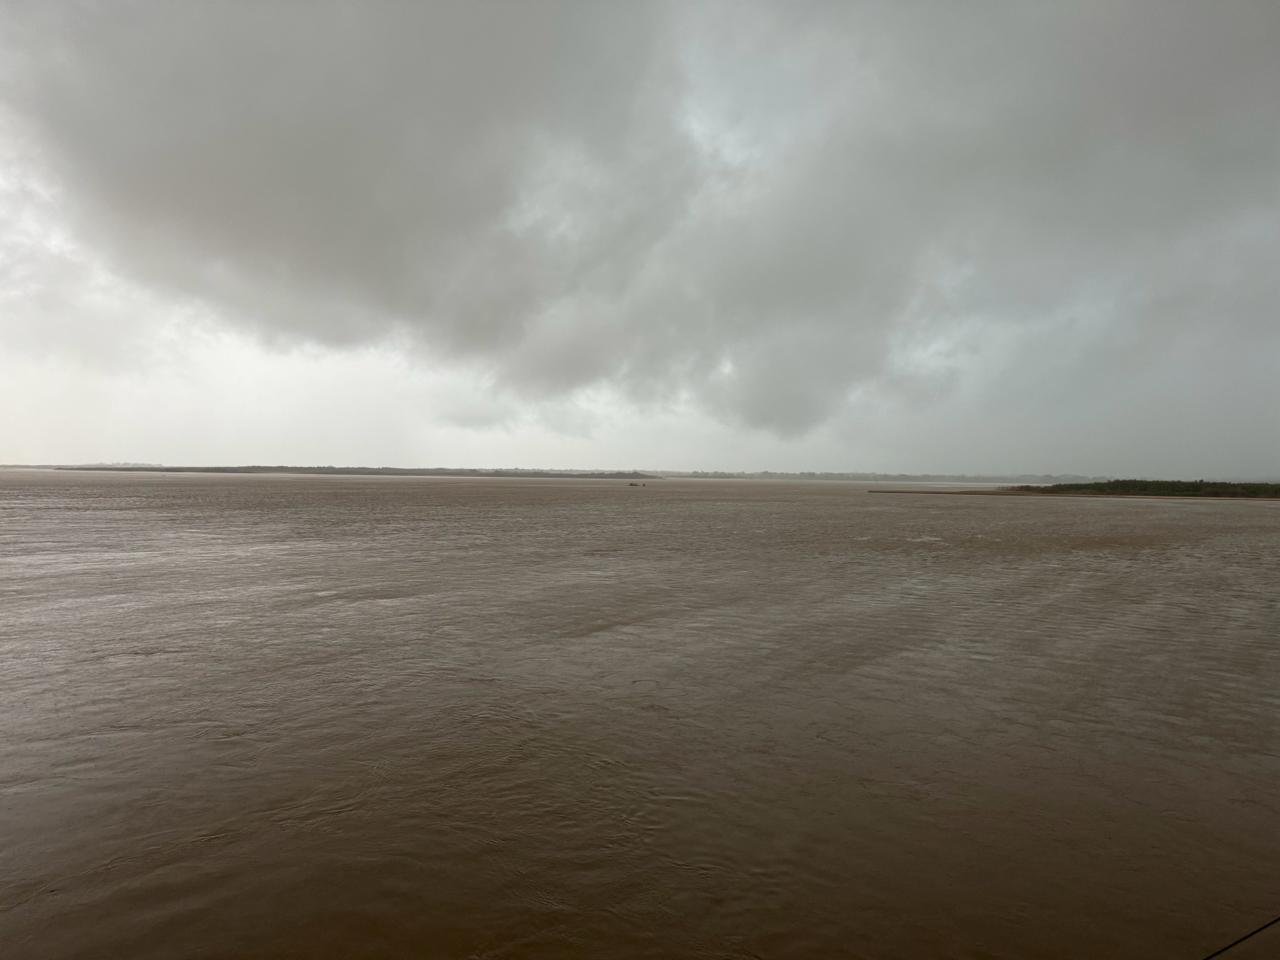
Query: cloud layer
[[1049, 216]]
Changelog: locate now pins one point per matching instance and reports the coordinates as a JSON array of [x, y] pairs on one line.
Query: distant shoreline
[[1213, 489], [566, 474], [1145, 490], [499, 473], [1075, 496]]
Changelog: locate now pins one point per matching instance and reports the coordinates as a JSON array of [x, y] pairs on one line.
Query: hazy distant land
[[1207, 489], [375, 471], [1157, 488], [535, 473], [1027, 478]]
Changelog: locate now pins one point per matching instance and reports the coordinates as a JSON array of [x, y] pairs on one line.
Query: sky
[[980, 237]]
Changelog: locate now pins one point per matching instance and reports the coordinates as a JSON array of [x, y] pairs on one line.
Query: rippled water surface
[[323, 717]]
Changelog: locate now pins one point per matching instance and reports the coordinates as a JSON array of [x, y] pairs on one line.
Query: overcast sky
[[951, 237]]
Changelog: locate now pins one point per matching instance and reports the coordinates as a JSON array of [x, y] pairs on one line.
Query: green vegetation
[[1159, 488]]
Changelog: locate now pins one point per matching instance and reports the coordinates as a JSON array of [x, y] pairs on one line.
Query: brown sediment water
[[323, 717]]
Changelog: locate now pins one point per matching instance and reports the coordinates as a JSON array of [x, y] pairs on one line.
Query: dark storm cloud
[[763, 208]]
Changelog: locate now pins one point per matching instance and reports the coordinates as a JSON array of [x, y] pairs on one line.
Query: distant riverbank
[[1207, 489], [380, 471], [1159, 488]]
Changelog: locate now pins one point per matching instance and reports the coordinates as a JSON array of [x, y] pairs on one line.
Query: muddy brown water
[[324, 717]]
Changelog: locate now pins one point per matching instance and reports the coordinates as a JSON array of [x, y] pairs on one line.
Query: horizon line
[[125, 466]]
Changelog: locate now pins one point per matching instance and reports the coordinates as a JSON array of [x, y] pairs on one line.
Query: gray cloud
[[769, 210]]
